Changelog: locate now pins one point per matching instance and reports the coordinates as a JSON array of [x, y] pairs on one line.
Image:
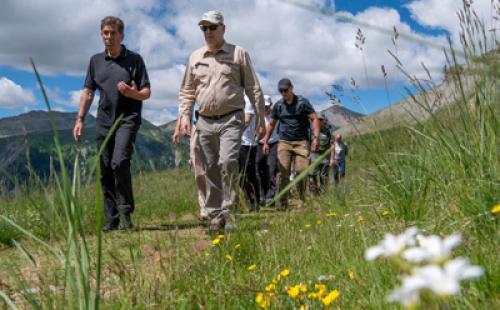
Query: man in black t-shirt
[[122, 80], [293, 113]]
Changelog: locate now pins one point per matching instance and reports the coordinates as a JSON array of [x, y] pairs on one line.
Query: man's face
[[267, 110], [214, 33], [111, 37], [287, 93]]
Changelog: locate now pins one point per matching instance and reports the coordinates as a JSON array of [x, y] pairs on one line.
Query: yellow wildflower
[[352, 275], [270, 287], [285, 273], [216, 241], [331, 297], [303, 307], [320, 291], [252, 267], [386, 213], [303, 288], [229, 257], [220, 236], [496, 209], [293, 291], [360, 219], [276, 279], [307, 226], [331, 214], [318, 222], [237, 246], [262, 300]]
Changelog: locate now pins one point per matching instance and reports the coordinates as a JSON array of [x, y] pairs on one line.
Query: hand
[[315, 144], [332, 162], [77, 130], [128, 91], [176, 136], [186, 127], [265, 148], [261, 132]]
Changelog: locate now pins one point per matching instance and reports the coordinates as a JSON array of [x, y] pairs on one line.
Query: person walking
[[267, 165], [248, 152], [122, 80], [339, 152], [293, 113], [217, 76], [322, 169]]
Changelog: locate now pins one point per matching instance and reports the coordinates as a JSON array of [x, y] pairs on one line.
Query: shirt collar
[[224, 48], [123, 53]]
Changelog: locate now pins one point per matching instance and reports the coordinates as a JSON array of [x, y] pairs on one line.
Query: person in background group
[[195, 163], [267, 165], [123, 83], [248, 151], [322, 170], [217, 76], [293, 113], [339, 152]]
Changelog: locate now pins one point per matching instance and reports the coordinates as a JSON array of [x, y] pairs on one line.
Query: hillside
[[29, 138], [408, 111]]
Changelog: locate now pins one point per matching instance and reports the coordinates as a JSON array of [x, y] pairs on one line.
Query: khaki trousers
[[219, 141], [199, 171], [288, 151]]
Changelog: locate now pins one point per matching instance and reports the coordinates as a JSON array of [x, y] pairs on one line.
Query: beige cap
[[213, 17]]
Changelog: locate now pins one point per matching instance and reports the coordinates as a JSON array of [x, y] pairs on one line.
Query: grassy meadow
[[441, 175]]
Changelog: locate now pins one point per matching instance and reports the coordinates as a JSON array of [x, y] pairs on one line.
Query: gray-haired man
[[217, 77]]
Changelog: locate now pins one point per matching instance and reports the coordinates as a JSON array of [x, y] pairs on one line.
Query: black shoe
[[108, 227], [126, 222]]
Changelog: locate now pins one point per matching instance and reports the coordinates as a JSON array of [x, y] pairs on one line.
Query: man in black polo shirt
[[293, 113], [122, 80]]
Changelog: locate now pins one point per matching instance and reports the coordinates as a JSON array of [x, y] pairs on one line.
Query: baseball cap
[[213, 17], [267, 101], [284, 84]]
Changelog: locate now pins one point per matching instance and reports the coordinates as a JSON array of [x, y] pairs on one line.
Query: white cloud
[[13, 96], [442, 14]]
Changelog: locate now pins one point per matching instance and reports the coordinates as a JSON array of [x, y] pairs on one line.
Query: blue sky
[[315, 51]]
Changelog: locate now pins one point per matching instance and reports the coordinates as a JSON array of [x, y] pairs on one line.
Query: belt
[[216, 117]]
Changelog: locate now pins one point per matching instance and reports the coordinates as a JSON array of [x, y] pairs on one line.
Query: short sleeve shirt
[[293, 118], [104, 73]]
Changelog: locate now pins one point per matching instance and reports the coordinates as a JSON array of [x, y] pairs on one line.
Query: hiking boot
[[126, 222], [229, 222], [109, 227], [224, 222]]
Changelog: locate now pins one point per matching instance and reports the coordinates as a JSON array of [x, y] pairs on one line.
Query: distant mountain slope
[[37, 121], [339, 117], [408, 111], [29, 135]]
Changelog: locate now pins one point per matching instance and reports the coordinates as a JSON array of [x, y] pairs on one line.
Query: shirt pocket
[[229, 71], [201, 73]]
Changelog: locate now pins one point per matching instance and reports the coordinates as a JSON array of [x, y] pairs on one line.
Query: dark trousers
[[267, 169], [338, 171], [116, 180], [248, 173]]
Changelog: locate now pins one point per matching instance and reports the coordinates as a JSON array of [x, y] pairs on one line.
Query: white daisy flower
[[432, 248], [392, 245]]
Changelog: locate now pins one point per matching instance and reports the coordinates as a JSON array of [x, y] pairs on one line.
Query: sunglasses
[[282, 91], [211, 27]]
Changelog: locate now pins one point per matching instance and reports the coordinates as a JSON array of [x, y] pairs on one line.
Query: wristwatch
[[80, 117]]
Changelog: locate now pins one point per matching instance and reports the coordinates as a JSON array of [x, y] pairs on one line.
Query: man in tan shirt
[[217, 77]]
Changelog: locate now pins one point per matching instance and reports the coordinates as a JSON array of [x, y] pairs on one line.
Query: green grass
[[442, 175]]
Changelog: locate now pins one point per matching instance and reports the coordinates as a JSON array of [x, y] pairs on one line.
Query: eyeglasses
[[282, 91], [211, 27]]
